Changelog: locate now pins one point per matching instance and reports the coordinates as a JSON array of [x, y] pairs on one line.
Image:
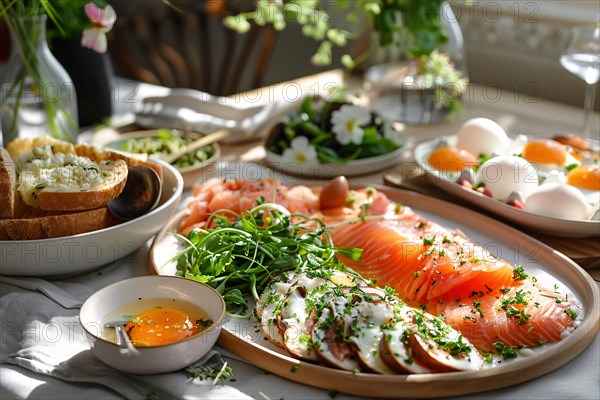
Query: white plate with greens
[[155, 142], [328, 139]]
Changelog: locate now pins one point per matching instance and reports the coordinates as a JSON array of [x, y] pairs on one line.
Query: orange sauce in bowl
[[157, 321], [160, 326]]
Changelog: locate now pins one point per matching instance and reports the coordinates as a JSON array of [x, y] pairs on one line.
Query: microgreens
[[239, 255]]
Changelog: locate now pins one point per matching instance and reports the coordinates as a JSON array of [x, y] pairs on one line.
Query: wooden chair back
[[190, 48]]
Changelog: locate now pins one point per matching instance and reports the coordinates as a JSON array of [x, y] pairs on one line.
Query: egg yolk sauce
[[160, 326]]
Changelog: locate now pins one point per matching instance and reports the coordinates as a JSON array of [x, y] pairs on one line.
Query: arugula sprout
[[238, 257]]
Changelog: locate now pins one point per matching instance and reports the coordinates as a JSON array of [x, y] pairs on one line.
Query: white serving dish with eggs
[[552, 207], [130, 297]]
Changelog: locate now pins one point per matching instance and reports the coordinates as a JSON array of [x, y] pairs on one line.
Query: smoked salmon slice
[[443, 273], [426, 269], [521, 316]]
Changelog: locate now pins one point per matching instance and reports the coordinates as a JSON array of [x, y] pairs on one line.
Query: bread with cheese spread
[[65, 205], [51, 175]]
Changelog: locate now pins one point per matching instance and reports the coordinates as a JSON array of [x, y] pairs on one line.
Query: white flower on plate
[[347, 124], [394, 136], [300, 152]]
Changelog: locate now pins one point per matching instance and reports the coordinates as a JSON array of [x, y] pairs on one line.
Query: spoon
[[139, 196], [197, 144], [123, 340]]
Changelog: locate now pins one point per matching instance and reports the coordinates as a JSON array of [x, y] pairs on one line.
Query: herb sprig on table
[[239, 257]]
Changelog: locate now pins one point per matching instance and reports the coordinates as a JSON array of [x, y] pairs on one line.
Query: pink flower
[[103, 19]]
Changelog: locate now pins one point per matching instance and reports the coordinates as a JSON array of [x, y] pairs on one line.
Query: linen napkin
[[245, 117], [43, 337]]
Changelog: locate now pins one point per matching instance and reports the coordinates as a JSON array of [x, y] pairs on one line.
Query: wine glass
[[581, 57]]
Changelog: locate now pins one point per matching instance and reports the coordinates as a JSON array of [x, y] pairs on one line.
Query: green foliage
[[416, 22], [66, 17]]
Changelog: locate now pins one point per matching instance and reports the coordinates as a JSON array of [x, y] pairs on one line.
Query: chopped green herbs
[[519, 273], [428, 241], [571, 313], [167, 142], [505, 351], [203, 372]]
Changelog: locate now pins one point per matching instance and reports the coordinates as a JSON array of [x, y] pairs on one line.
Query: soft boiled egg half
[[548, 155], [160, 326], [586, 178], [558, 200], [451, 159]]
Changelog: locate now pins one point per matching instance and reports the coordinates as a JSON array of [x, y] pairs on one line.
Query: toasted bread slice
[[21, 146], [132, 160], [52, 175], [56, 225], [8, 182]]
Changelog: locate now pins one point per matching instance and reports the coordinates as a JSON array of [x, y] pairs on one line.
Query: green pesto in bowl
[[167, 142]]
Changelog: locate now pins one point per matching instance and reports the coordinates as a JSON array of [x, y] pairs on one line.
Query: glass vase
[[37, 95], [398, 87]]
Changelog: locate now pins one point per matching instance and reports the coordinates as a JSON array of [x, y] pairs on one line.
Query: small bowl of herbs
[[160, 143], [331, 138]]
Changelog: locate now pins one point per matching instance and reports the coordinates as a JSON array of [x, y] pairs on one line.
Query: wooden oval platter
[[246, 339]]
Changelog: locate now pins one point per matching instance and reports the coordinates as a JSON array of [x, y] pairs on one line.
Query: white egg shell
[[592, 196], [482, 136], [558, 200], [503, 175], [555, 176]]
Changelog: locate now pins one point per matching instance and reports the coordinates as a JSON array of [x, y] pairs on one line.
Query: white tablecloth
[[578, 379]]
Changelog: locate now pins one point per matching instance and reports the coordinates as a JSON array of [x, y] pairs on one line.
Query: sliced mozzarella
[[269, 304], [396, 352], [434, 344], [279, 284], [367, 319], [328, 337], [294, 315]]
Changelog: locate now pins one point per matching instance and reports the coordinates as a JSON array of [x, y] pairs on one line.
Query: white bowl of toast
[[53, 215]]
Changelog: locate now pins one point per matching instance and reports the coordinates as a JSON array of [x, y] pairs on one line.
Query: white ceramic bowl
[[156, 359], [190, 174], [76, 254]]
